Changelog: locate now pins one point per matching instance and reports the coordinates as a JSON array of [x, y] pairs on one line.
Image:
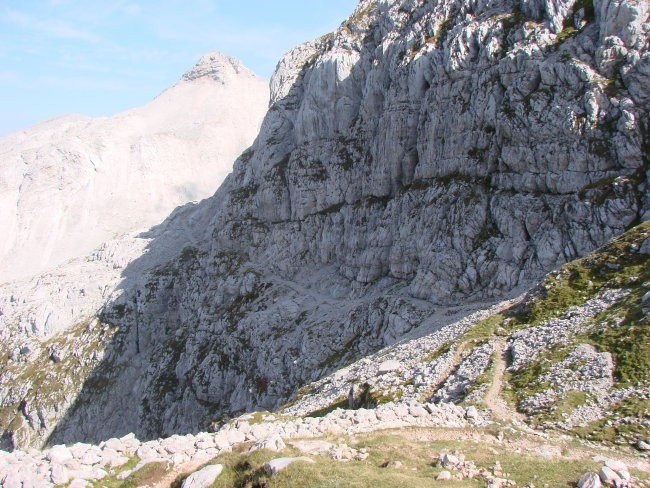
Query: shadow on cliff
[[124, 368], [176, 249]]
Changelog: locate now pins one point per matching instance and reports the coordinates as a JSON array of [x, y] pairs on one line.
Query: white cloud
[[132, 10], [52, 28], [79, 83], [8, 76]]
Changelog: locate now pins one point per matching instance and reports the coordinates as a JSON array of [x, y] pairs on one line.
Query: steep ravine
[[426, 155]]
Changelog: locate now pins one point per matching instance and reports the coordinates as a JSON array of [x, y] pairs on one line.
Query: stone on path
[[313, 447], [203, 477], [443, 476], [590, 480], [276, 465]]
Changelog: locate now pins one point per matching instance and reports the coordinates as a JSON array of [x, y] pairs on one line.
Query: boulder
[[276, 465], [444, 476], [389, 366], [273, 443], [608, 476], [448, 460], [58, 454], [59, 474], [204, 477], [471, 413], [589, 480], [618, 466]]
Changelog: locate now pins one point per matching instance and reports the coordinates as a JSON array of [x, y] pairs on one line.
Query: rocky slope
[[441, 396], [88, 191], [423, 157], [72, 183], [83, 194]]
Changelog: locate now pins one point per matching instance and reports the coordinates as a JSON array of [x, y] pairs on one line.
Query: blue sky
[[100, 57]]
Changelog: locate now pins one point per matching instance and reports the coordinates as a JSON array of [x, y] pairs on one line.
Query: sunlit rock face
[[72, 183], [425, 156]]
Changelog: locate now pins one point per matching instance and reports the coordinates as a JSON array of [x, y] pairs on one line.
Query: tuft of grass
[[570, 289], [146, 476], [441, 351], [484, 331]]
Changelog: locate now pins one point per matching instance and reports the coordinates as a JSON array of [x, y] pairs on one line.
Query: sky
[[101, 57]]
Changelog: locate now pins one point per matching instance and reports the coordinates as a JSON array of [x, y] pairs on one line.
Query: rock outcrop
[[399, 399], [423, 157]]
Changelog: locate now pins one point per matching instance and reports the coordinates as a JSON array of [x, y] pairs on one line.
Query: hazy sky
[[99, 57]]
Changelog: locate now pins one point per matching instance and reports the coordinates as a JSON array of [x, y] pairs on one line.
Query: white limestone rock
[[60, 474], [273, 443], [59, 454], [276, 465], [589, 480], [204, 477], [389, 366]]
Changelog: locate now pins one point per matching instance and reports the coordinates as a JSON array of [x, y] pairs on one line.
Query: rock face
[[425, 154], [72, 183], [71, 188]]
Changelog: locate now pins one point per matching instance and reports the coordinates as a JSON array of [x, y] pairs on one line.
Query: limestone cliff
[[425, 156]]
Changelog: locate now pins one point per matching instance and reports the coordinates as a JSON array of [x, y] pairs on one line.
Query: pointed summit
[[215, 66]]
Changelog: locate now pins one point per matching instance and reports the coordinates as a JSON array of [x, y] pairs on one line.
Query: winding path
[[499, 407]]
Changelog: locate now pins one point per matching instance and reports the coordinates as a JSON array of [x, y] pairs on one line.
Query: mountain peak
[[214, 65]]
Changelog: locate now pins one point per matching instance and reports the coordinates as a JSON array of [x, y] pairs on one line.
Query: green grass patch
[[441, 351], [572, 287], [615, 265], [623, 330], [565, 405], [416, 449], [112, 481], [484, 331], [565, 34], [611, 430], [145, 476], [627, 338], [526, 382]]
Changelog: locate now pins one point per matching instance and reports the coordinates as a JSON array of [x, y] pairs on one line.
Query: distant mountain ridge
[[71, 183]]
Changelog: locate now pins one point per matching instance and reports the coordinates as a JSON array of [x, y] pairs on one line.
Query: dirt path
[[169, 478], [500, 409]]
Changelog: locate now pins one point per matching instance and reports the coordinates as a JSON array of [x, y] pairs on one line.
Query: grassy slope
[[416, 449], [623, 331]]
